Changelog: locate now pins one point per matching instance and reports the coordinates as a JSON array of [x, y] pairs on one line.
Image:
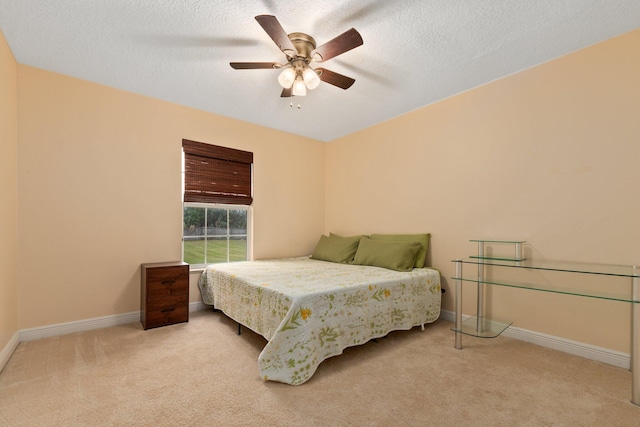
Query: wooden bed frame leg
[[239, 329]]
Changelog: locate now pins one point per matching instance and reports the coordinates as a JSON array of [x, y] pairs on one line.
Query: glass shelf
[[562, 266], [614, 296], [510, 242], [496, 258], [488, 328], [517, 245]]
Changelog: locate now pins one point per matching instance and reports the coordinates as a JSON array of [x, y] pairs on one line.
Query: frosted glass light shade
[[287, 77], [299, 88], [310, 77]]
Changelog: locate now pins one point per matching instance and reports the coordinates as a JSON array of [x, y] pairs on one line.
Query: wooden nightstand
[[165, 294]]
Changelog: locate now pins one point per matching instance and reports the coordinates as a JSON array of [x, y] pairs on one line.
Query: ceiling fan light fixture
[[299, 87], [300, 49], [310, 78], [287, 77]]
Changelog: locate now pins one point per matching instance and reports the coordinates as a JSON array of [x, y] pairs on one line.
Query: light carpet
[[203, 373]]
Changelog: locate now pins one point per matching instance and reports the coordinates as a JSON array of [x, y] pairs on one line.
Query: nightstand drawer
[[167, 317], [164, 297], [166, 303], [167, 287], [165, 275]]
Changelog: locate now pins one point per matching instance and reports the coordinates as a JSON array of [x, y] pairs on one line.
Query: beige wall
[[549, 155], [99, 179], [8, 194]]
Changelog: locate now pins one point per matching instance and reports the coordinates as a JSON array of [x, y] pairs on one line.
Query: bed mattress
[[310, 310]]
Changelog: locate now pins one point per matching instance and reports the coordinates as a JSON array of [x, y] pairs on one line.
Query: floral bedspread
[[310, 310]]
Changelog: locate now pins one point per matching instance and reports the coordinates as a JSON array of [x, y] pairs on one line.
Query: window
[[217, 188], [214, 233]]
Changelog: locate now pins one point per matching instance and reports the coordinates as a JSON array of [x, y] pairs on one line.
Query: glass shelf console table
[[479, 326]]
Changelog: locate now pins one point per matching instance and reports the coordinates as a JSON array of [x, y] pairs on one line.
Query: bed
[[311, 309]]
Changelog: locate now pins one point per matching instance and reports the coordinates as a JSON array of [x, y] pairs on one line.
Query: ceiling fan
[[300, 49]]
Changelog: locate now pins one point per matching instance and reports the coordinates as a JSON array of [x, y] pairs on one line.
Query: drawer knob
[[168, 282], [168, 310]]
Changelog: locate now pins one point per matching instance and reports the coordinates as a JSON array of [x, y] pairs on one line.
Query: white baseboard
[[89, 324], [588, 351], [77, 326], [58, 329], [8, 350], [198, 306]]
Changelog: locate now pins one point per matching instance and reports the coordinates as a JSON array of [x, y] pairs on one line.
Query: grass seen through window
[[194, 251]]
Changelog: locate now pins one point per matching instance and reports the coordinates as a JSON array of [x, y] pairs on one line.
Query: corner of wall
[[8, 200]]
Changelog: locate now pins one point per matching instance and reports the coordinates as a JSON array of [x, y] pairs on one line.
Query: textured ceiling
[[415, 52]]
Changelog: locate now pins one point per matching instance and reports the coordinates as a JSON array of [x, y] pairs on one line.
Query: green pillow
[[348, 237], [423, 239], [400, 256], [336, 249]]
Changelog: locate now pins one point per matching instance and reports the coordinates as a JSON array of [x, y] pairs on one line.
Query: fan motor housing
[[304, 44]]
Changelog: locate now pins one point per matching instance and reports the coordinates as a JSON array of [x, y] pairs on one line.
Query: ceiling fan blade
[[337, 46], [286, 93], [334, 78], [271, 25], [254, 65]]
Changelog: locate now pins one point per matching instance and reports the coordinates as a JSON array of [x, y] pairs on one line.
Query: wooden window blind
[[215, 174]]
